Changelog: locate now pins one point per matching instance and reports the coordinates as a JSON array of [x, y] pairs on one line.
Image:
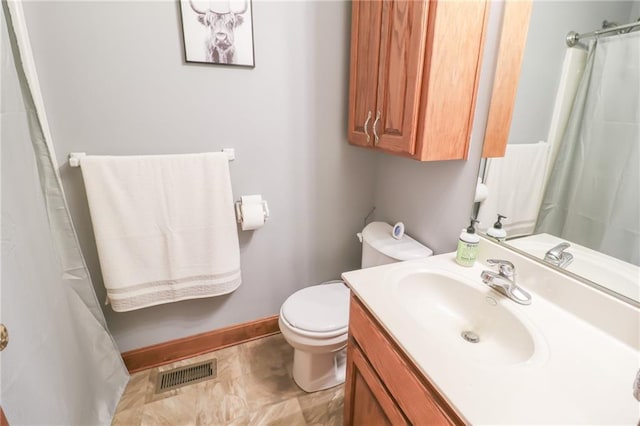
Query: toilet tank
[[379, 247]]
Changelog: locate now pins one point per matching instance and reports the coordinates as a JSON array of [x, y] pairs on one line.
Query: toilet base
[[313, 372]]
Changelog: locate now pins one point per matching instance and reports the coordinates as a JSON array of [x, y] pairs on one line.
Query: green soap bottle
[[468, 243]]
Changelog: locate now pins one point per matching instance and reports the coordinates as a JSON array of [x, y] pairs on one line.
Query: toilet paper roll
[[251, 199], [252, 216], [482, 192]]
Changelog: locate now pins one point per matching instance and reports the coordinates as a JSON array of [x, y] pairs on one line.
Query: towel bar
[[74, 157]]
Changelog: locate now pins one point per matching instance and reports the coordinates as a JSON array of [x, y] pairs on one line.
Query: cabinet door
[[452, 68], [402, 48], [366, 399], [365, 43]]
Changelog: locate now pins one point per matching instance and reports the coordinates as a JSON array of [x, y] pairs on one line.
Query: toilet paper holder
[[265, 210]]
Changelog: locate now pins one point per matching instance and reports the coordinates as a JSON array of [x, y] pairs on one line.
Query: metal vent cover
[[188, 375]]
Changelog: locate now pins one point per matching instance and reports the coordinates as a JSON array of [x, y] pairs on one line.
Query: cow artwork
[[219, 32]]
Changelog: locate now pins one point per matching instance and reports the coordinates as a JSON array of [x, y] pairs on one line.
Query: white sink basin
[[447, 307]]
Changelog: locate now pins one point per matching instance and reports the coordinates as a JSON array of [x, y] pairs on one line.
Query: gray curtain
[[593, 194], [61, 365]]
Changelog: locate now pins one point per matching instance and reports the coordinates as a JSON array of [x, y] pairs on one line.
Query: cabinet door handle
[[375, 129], [366, 126]]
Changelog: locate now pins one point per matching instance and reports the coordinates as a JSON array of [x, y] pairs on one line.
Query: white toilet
[[314, 320]]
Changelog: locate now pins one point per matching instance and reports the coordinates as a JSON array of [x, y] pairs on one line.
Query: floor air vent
[[188, 375]]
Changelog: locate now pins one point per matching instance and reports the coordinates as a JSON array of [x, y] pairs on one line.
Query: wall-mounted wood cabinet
[[383, 387], [414, 76]]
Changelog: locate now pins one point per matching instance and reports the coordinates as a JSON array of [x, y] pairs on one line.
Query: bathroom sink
[[471, 321], [532, 363]]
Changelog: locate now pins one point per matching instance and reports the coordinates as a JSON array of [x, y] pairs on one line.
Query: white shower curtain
[[593, 194], [61, 366]]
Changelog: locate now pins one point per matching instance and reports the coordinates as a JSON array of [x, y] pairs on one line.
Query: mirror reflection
[[569, 184]]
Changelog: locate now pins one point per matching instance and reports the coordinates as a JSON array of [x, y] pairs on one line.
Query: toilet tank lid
[[379, 236]]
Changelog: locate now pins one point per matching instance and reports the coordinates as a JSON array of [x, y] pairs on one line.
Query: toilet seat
[[322, 309]]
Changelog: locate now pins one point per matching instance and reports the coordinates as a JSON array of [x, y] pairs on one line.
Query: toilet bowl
[[315, 320]]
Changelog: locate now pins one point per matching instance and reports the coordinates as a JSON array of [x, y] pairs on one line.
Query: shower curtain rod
[[573, 37]]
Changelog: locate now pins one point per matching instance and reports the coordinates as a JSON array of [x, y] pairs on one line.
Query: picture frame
[[218, 32]]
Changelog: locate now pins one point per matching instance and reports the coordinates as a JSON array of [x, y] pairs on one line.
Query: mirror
[[569, 183]]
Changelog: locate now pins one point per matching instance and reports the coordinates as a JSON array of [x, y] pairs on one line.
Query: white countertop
[[583, 368]]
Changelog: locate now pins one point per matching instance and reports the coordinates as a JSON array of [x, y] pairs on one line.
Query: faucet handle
[[500, 262], [556, 252], [505, 267]]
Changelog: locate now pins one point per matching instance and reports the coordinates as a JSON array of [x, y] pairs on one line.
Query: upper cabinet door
[[366, 18], [402, 48], [452, 70]]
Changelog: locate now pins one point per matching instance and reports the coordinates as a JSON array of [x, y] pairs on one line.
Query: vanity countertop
[[582, 368]]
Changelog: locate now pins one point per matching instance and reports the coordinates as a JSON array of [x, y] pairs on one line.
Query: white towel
[[515, 183], [164, 226]]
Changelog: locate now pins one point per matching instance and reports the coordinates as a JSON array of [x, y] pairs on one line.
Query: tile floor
[[253, 387]]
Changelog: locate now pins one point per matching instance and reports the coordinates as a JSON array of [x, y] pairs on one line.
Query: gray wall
[[113, 82], [544, 55]]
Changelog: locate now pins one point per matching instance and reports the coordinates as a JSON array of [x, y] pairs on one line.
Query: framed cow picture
[[218, 32]]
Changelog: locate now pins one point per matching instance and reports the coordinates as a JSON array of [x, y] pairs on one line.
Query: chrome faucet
[[504, 281], [558, 257]]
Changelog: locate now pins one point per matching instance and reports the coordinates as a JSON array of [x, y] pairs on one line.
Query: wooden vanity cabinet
[[414, 75], [383, 387]]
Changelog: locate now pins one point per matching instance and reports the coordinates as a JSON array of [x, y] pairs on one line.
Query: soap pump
[[468, 245], [496, 231]]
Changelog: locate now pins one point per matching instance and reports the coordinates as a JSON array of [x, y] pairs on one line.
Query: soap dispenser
[[468, 245], [496, 231]]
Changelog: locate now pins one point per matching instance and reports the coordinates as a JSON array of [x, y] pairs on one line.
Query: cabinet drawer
[[419, 401]]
